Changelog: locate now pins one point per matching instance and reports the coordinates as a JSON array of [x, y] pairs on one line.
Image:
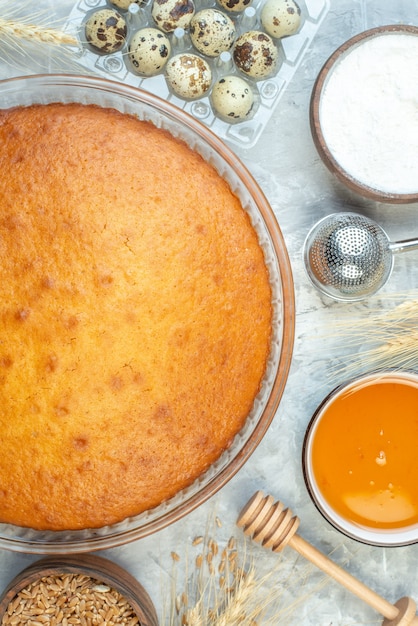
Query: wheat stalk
[[236, 609], [27, 38], [385, 338], [225, 586], [39, 34]]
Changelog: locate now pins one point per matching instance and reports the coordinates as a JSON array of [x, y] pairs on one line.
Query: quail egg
[[212, 32], [235, 6], [232, 98], [280, 18], [171, 14], [149, 50], [124, 4], [188, 75], [106, 30], [255, 54]]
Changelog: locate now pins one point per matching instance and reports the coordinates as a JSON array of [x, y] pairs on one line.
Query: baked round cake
[[135, 316]]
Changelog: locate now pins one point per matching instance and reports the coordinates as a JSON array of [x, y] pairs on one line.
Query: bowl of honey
[[360, 458]]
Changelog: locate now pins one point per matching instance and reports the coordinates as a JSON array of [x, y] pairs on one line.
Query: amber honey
[[364, 452]]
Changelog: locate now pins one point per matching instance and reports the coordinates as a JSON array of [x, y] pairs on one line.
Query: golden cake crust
[[135, 316]]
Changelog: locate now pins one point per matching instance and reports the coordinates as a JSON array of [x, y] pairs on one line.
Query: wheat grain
[[197, 540], [70, 599]]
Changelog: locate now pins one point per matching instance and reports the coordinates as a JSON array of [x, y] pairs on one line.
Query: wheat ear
[[32, 32]]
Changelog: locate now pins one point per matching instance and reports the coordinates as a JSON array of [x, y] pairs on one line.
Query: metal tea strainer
[[349, 257]]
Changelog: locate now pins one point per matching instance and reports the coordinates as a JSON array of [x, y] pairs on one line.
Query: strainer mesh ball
[[347, 256]]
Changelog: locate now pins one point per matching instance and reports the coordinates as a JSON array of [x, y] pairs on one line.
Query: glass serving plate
[[43, 89]]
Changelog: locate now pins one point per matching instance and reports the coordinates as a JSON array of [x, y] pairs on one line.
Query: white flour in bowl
[[369, 112]]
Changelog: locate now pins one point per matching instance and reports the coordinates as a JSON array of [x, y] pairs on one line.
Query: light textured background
[[301, 191]]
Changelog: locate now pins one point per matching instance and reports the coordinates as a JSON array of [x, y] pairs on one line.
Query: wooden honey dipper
[[274, 526]]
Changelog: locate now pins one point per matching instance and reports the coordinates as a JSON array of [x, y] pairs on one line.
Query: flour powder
[[369, 112]]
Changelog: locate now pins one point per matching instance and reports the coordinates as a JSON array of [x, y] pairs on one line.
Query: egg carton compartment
[[242, 133]]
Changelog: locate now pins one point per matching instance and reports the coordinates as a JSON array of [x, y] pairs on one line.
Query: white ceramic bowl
[[367, 505], [52, 88]]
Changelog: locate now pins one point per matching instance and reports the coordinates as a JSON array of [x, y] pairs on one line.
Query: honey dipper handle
[[273, 526], [344, 578]]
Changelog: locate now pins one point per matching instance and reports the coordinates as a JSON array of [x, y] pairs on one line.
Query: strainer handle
[[403, 245]]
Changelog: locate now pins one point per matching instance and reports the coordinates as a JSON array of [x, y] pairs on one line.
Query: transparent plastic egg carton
[[267, 92]]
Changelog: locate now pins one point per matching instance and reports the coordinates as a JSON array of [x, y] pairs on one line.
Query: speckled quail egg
[[232, 98], [106, 30], [188, 75], [171, 14], [149, 50], [280, 18], [255, 54], [212, 32], [235, 6], [125, 4]]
